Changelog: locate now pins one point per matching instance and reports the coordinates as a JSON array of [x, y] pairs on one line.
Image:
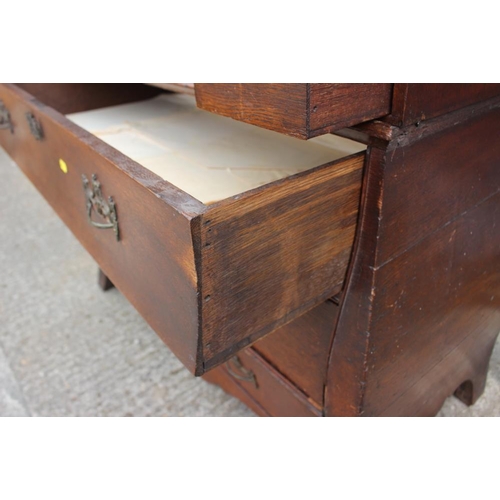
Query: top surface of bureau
[[209, 278]]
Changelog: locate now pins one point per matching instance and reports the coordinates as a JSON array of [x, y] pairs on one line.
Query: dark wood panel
[[414, 102], [461, 273], [273, 254], [430, 313], [74, 97], [301, 110], [346, 367], [437, 178], [421, 321], [300, 349], [281, 107]]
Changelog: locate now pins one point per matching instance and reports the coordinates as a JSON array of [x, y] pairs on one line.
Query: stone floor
[[68, 349]]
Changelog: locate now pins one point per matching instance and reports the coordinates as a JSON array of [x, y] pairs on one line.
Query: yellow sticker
[[63, 166]]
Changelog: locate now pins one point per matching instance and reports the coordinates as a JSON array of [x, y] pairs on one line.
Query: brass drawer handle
[[238, 371], [96, 202], [5, 122], [35, 126]]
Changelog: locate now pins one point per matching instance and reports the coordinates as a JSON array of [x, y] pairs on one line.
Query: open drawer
[[209, 277]]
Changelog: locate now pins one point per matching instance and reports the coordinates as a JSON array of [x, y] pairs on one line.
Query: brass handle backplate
[[35, 126], [5, 121], [238, 371], [95, 202]]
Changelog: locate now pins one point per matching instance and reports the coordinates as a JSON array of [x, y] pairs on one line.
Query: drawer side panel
[[276, 253]]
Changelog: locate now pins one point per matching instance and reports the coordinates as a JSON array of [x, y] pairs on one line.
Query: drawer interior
[[226, 231], [210, 157]]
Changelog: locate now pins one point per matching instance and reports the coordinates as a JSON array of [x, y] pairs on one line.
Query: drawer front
[[210, 280], [301, 110], [261, 387]]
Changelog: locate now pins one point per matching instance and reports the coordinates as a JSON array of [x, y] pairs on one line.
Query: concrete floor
[[68, 349]]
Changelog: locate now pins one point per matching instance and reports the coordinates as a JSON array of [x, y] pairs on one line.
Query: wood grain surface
[[463, 271], [301, 110], [421, 310], [273, 254], [278, 107], [431, 183], [416, 102]]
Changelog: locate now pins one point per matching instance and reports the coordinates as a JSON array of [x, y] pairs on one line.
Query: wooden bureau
[[308, 274]]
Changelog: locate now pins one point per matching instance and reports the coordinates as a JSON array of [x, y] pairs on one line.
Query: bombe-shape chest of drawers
[[314, 249]]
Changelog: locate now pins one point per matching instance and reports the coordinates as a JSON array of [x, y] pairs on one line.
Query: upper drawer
[[301, 110], [210, 278]]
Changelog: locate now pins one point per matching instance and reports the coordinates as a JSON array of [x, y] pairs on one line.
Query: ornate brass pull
[[35, 126], [242, 373], [5, 122], [96, 202]]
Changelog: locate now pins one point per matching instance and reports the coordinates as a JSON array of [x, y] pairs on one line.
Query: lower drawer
[[210, 278], [300, 350], [250, 378]]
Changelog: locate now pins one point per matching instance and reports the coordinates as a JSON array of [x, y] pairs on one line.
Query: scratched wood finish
[[197, 274], [300, 349], [301, 110], [421, 311], [74, 97], [278, 107], [279, 252], [271, 391], [333, 106], [415, 102], [430, 183], [463, 270]]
